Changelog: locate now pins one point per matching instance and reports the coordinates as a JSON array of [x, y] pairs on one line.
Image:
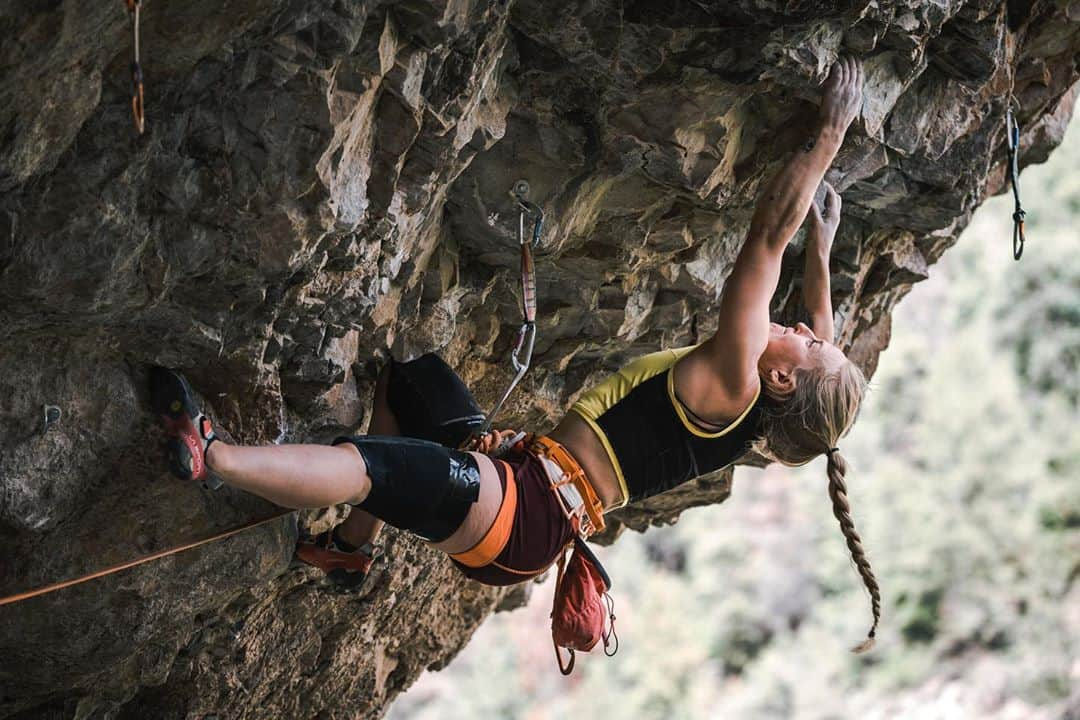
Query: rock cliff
[[323, 183]]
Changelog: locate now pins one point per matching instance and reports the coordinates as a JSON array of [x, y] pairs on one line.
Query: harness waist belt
[[495, 539], [570, 484]]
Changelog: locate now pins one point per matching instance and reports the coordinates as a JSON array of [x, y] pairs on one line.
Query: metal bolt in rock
[[52, 416]]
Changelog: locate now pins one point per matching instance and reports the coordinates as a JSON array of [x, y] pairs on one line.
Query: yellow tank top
[[647, 433]]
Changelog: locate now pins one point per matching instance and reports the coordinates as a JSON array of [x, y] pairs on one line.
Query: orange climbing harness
[[575, 493]]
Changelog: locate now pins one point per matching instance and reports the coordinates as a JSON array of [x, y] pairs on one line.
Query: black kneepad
[[431, 402], [463, 489], [416, 485]]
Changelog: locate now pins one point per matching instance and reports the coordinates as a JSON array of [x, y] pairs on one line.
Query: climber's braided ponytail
[[837, 468], [807, 422]]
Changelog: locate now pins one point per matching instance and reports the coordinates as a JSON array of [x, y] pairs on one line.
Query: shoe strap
[[206, 429]]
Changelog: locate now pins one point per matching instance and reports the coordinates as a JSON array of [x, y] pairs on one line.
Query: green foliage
[[921, 626], [965, 487]]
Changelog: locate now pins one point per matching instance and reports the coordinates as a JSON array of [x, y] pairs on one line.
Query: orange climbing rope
[[140, 561], [134, 6]]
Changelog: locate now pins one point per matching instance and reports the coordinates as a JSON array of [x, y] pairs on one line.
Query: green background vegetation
[[965, 484]]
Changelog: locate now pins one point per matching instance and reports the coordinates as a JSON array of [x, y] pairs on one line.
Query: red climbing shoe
[[347, 570], [190, 432]]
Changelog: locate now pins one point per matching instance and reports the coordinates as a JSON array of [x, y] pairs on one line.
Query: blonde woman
[[787, 392]]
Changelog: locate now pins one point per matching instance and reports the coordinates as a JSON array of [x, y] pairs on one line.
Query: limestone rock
[[323, 183]]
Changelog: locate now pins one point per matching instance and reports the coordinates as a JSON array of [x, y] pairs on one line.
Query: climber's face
[[792, 348]]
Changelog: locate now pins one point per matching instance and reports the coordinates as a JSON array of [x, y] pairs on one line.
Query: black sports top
[[652, 442]]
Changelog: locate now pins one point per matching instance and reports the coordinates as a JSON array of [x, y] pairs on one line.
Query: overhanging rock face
[[321, 183]]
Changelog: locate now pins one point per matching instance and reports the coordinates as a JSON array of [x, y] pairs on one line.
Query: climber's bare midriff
[[581, 440]]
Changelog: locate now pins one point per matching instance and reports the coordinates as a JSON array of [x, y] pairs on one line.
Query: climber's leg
[[295, 476], [425, 399], [361, 528], [427, 489], [345, 553], [446, 496], [429, 401]]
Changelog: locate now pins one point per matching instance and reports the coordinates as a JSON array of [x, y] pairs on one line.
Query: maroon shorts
[[538, 533]]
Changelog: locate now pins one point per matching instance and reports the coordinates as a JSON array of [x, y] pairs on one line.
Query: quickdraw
[[521, 357], [134, 6], [1012, 131]]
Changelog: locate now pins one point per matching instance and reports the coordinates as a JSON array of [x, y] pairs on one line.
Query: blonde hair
[[808, 421]]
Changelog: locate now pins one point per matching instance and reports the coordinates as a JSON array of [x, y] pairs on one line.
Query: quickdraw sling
[[1012, 132], [137, 90]]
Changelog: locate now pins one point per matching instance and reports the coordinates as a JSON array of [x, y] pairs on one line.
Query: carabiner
[[526, 340], [528, 209], [519, 192]]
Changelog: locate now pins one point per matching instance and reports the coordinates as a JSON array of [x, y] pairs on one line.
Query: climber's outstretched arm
[[743, 330], [817, 291]]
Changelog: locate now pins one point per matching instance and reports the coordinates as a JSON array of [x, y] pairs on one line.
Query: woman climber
[[787, 393]]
